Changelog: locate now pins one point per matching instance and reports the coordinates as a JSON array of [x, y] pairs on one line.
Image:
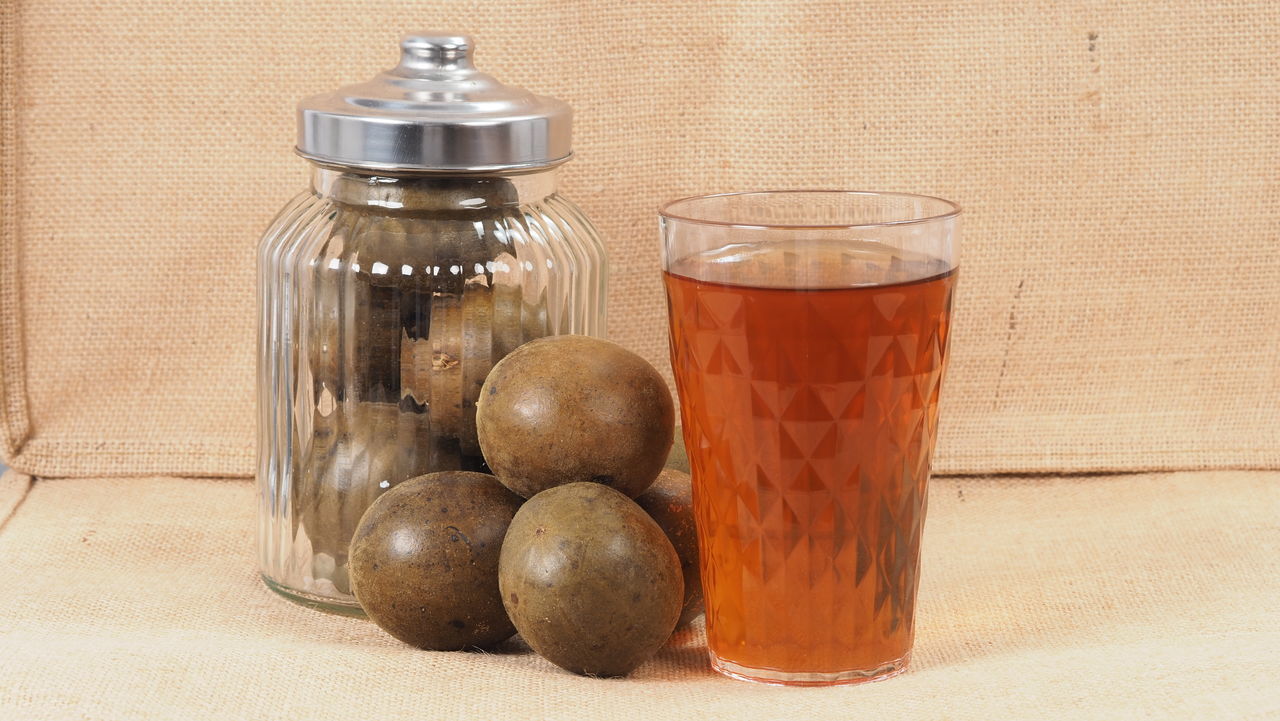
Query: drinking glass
[[809, 339]]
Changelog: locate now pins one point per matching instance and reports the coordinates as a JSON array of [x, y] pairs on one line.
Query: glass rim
[[953, 210]]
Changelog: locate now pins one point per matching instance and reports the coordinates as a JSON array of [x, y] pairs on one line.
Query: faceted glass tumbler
[[809, 336], [384, 302]]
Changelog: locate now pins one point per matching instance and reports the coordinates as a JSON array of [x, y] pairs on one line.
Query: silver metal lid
[[434, 112]]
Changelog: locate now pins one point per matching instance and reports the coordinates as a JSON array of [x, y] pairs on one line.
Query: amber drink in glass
[[809, 339]]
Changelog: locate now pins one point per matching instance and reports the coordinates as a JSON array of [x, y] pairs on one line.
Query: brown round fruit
[[590, 580], [669, 501], [445, 378], [424, 560], [477, 359], [568, 409]]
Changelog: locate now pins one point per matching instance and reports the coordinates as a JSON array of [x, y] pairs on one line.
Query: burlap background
[[1117, 161]]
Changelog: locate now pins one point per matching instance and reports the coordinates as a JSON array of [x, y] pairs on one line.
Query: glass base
[[804, 678], [319, 603]]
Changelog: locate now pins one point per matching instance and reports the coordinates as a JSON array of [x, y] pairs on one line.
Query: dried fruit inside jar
[[403, 312]]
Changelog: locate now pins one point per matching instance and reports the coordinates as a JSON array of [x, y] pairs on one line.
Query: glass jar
[[418, 258]]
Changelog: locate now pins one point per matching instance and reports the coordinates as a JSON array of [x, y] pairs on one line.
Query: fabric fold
[[14, 487]]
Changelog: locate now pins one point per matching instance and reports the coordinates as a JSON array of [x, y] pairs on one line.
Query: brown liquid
[[809, 417]]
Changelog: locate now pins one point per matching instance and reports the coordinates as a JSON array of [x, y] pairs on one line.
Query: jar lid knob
[[423, 51]]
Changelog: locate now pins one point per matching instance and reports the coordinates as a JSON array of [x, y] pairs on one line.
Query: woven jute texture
[[1120, 284], [1138, 597]]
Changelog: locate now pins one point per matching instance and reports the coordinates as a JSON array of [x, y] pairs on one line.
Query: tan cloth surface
[[1149, 596], [1120, 285]]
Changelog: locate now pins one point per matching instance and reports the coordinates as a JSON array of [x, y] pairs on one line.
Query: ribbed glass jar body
[[384, 301]]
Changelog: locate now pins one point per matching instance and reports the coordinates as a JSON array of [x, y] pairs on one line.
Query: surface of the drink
[[810, 264], [809, 415]]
